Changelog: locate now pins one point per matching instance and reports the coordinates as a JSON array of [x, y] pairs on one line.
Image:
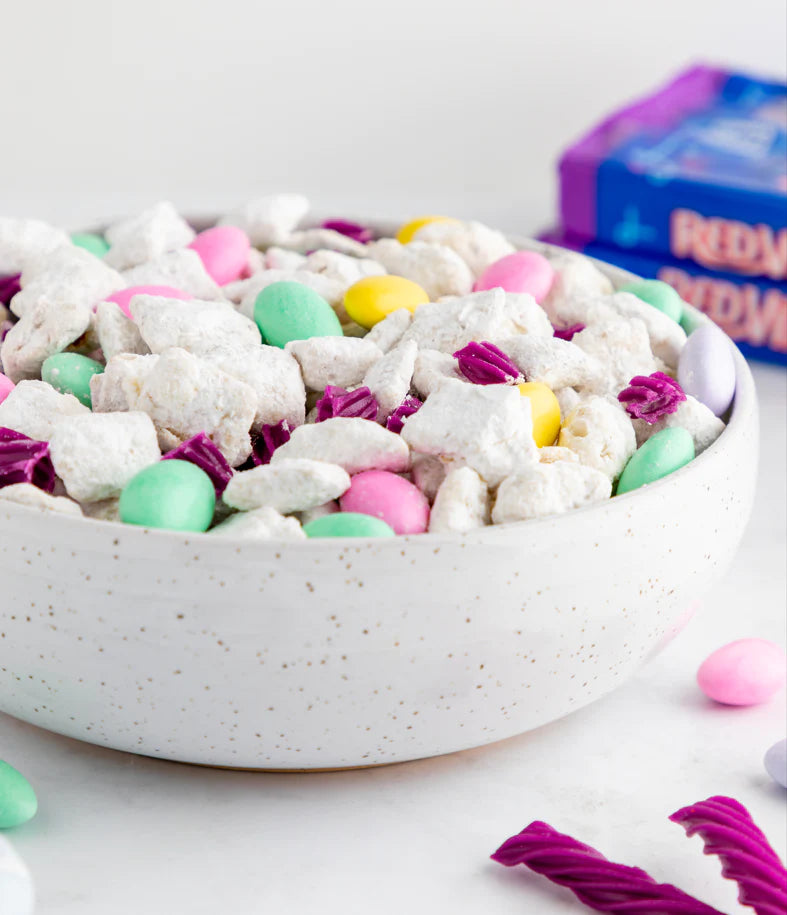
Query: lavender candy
[[270, 437], [353, 230], [23, 460], [484, 363], [201, 451], [407, 407], [9, 286], [567, 333], [650, 397], [338, 402]]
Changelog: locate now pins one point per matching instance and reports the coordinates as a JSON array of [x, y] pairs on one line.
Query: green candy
[[175, 495], [95, 244], [659, 295], [18, 802], [70, 373], [662, 453], [347, 524], [288, 311]]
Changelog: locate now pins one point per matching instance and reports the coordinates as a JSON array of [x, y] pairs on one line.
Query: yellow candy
[[374, 297], [408, 230], [545, 411]]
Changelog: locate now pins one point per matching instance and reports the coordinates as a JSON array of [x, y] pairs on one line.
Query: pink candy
[[6, 386], [389, 497], [124, 296], [224, 251], [746, 672], [522, 271]]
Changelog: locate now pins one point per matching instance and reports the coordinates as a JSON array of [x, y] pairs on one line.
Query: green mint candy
[[175, 495], [95, 244], [70, 373], [659, 295], [662, 454], [288, 311], [347, 524], [18, 802]]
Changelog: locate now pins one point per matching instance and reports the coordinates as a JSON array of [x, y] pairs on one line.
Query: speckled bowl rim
[[744, 403]]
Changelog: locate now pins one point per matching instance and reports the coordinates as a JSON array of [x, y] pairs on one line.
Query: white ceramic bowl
[[336, 653]]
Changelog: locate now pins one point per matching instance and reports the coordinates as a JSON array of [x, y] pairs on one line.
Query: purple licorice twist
[[650, 397], [23, 460], [338, 402], [484, 363], [727, 829], [410, 405], [9, 286], [353, 230], [271, 437], [200, 450], [598, 883], [567, 333]]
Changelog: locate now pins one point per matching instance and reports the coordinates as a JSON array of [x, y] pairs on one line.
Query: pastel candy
[[776, 763], [95, 244], [407, 232], [6, 386], [288, 311], [347, 524], [70, 373], [706, 368], [658, 294], [176, 495], [389, 497], [544, 410], [746, 672], [224, 250], [123, 296], [373, 298], [522, 271], [662, 454], [18, 802]]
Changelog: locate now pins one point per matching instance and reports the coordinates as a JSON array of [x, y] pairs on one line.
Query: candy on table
[[23, 460], [200, 450], [337, 401], [70, 373], [651, 397], [744, 672], [122, 298], [90, 241], [664, 453], [17, 896], [522, 271], [176, 495], [347, 524], [775, 763], [18, 802], [373, 298], [291, 311], [658, 294], [389, 497], [224, 251], [706, 368]]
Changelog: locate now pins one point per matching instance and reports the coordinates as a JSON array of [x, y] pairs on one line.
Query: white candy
[[490, 315], [554, 362], [269, 220], [576, 277], [428, 474], [146, 236], [601, 434], [193, 325], [32, 496], [315, 239], [341, 361], [288, 485], [551, 453], [388, 332], [41, 332], [461, 503], [549, 489], [17, 896], [182, 269], [261, 524], [432, 368], [622, 347], [119, 387], [486, 427], [116, 333], [437, 269], [353, 443], [95, 455], [324, 286], [35, 407], [700, 422], [21, 239], [389, 378], [341, 268], [477, 244], [185, 395]]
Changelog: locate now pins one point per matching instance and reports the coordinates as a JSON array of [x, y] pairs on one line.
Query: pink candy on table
[[123, 296], [224, 250], [389, 497], [522, 271], [746, 672], [6, 386]]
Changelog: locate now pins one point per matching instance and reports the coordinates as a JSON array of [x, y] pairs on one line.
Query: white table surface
[[119, 834]]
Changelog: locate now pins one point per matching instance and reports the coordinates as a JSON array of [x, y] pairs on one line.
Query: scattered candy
[[175, 495], [776, 763], [484, 363], [339, 402], [522, 271], [706, 369], [95, 244], [410, 405], [269, 439], [406, 232], [201, 451], [567, 333], [544, 410], [651, 397], [389, 497], [18, 802], [658, 294], [745, 672], [288, 311], [70, 373], [353, 230], [662, 454], [347, 524], [124, 296], [224, 250], [23, 460], [373, 298]]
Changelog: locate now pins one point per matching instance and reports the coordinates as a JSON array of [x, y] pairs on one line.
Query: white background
[[379, 110]]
